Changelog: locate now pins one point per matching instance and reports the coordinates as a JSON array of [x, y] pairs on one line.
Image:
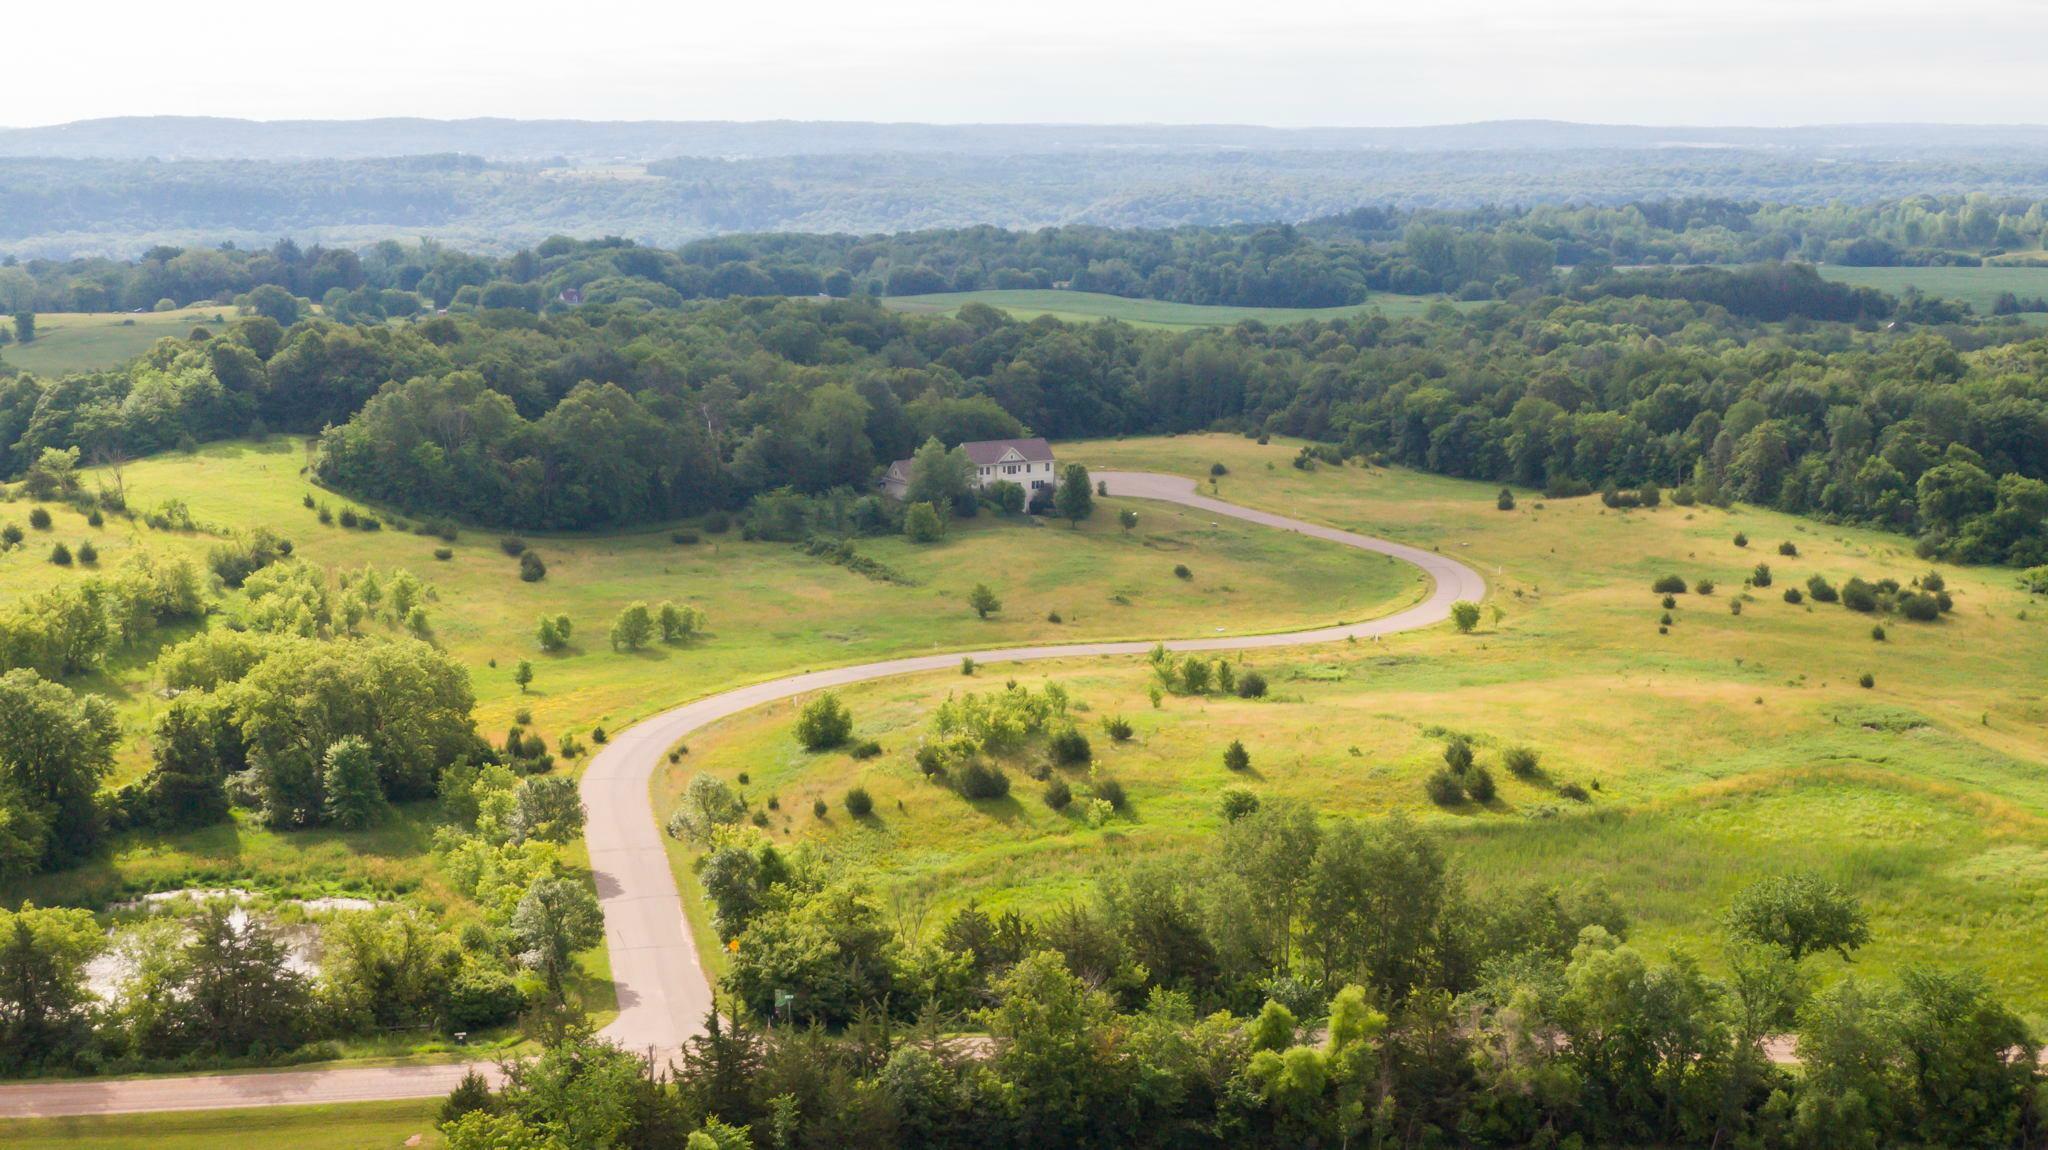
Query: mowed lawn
[[1978, 287], [101, 341], [1083, 307], [356, 1126], [1732, 747]]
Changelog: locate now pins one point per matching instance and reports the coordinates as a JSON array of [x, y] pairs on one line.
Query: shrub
[[1117, 727], [11, 535], [1217, 470], [598, 736], [1665, 620], [1112, 792], [1058, 795], [1458, 755], [1235, 757], [1479, 785], [1735, 606], [1180, 571], [684, 538], [978, 780], [1792, 595], [444, 554], [306, 501], [531, 569], [1788, 548], [866, 749], [1741, 540], [372, 523], [1251, 685], [1669, 585], [60, 555], [1858, 595], [921, 524], [1669, 602], [1522, 762], [818, 808], [1877, 633], [984, 601], [1932, 581], [859, 803], [349, 518], [1505, 500], [931, 760], [1920, 608], [1444, 787], [512, 545], [717, 522], [1703, 587], [1761, 577], [1465, 616], [88, 554], [93, 518], [967, 664], [1821, 590], [1866, 680], [1575, 793], [824, 723], [1237, 802], [1052, 616], [39, 518], [1070, 747], [326, 515]]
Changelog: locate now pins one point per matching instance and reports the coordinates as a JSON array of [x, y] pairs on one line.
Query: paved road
[[663, 994]]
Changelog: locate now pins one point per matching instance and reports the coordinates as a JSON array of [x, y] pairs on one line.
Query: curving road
[[663, 994]]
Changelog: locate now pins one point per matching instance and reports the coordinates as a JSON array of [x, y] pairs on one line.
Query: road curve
[[662, 991]]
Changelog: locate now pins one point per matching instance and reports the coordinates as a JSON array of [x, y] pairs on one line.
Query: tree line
[[1296, 982]]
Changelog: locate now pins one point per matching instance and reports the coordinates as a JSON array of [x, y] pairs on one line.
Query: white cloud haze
[[1288, 62]]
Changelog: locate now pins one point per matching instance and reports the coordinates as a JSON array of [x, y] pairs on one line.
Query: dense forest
[[1480, 253], [615, 413]]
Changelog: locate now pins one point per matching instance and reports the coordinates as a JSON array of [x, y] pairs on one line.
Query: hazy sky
[[1285, 62]]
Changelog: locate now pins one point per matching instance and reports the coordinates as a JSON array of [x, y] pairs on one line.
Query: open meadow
[[355, 1126], [1725, 747], [69, 342], [1979, 287], [1084, 307]]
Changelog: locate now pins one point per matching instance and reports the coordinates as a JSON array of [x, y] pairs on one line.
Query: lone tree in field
[[1235, 757], [1801, 914], [824, 723], [1465, 614], [1128, 519], [523, 675], [633, 628], [984, 601], [1506, 500], [1074, 500]]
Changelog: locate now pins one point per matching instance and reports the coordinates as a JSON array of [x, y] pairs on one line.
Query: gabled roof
[[987, 452]]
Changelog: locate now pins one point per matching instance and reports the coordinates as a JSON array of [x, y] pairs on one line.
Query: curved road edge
[[663, 994]]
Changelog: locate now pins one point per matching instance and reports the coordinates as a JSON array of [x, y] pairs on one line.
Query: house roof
[[985, 452]]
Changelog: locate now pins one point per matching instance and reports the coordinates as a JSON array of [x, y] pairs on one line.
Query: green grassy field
[[1978, 287], [1734, 746], [357, 1126], [1083, 307], [98, 341]]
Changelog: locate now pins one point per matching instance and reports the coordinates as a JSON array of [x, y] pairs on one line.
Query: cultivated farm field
[[98, 341], [1729, 747]]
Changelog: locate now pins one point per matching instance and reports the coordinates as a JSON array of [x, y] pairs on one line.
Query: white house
[[1028, 463]]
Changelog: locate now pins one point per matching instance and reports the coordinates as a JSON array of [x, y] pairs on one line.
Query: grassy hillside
[[359, 1126], [1731, 747], [1978, 287], [1081, 306], [97, 341]]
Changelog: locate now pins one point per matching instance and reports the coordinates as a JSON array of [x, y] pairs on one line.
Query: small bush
[[823, 723], [1735, 606], [444, 554], [349, 518], [10, 535], [1117, 728], [512, 545], [60, 555], [859, 803], [684, 538], [1788, 548], [531, 569], [1458, 755], [1665, 620], [1112, 792], [1792, 595], [1932, 581], [88, 554], [1505, 500], [372, 523], [1070, 747], [1235, 757], [1251, 685], [93, 518], [866, 749], [1058, 795], [1669, 585], [1575, 793], [1237, 802], [1444, 787], [39, 518], [1761, 577], [1920, 608], [1479, 785], [326, 516], [1669, 602], [306, 500], [1741, 540], [1522, 762], [1822, 590], [1858, 595], [978, 780], [967, 664], [1866, 680], [598, 736], [1180, 571], [818, 808], [1052, 617], [1703, 587], [1877, 633]]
